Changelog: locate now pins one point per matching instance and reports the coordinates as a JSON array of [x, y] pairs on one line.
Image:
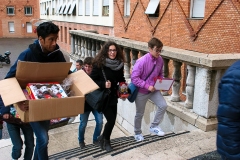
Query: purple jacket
[[141, 70]]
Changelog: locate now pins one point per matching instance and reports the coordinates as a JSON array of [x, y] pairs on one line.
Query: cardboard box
[[46, 109]]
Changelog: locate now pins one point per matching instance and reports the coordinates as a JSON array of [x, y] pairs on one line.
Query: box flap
[[11, 92], [28, 72], [83, 82]]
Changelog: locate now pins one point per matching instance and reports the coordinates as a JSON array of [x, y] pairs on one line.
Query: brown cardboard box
[[46, 109]]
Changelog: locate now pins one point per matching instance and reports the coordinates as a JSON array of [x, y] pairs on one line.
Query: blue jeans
[[15, 135], [40, 130], [0, 133], [83, 124]]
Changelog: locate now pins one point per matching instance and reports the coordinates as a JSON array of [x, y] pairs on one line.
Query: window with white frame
[[153, 8], [95, 8], [73, 8], [10, 10], [126, 7], [63, 7], [80, 7], [87, 7], [28, 10], [11, 27], [29, 27], [53, 7], [197, 8], [105, 9]]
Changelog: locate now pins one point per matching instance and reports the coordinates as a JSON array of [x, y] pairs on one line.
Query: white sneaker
[[156, 130], [139, 137]]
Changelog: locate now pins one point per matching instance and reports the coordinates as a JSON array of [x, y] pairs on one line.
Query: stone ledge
[[178, 109]]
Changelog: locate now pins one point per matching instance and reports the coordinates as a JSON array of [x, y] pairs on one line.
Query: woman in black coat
[[111, 59]]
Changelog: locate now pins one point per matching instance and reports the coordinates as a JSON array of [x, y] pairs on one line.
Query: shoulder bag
[[99, 98]]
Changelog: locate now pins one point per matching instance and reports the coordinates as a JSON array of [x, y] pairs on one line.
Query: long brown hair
[[100, 58]]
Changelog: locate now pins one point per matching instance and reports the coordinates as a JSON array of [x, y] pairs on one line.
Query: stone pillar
[[89, 48], [175, 97], [165, 73], [205, 100], [127, 64], [73, 43], [76, 46], [83, 42], [93, 48], [79, 47], [142, 53], [134, 56], [191, 70], [98, 47]]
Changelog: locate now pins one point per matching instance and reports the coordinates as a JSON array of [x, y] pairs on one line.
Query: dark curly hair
[[100, 58], [47, 28]]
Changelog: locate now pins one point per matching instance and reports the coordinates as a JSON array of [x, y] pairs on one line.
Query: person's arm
[[95, 75], [4, 110]]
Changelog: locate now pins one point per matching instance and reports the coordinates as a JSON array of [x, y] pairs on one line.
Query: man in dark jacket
[[228, 114], [43, 50]]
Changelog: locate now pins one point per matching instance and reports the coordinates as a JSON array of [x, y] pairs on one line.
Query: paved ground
[[195, 145]]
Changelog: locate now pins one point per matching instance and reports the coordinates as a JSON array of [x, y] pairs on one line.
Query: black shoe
[[82, 145], [100, 141], [107, 145], [96, 143]]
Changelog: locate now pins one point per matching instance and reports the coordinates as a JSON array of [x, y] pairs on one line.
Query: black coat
[[113, 76], [228, 114]]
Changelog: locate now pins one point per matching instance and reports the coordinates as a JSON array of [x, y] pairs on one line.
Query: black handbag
[[99, 98]]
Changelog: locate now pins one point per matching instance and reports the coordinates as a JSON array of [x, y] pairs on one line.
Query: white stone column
[[127, 63], [165, 73], [93, 47], [191, 70], [205, 101], [83, 42], [79, 46], [73, 43], [76, 46], [175, 97]]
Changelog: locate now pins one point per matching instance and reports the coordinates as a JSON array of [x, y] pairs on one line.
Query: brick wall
[[217, 32], [19, 18]]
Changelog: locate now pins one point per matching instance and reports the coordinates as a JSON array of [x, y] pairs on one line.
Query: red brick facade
[[18, 18], [217, 32]]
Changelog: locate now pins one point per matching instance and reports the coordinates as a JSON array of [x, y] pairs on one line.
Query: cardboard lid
[[34, 72], [83, 82], [10, 91]]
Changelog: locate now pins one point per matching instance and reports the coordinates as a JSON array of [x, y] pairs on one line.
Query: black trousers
[[110, 114]]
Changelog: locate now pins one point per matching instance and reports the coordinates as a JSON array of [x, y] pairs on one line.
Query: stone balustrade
[[198, 86]]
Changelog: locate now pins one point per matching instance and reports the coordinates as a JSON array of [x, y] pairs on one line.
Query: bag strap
[[104, 75], [150, 73]]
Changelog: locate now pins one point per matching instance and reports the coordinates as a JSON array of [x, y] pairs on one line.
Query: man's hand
[[24, 106], [151, 89]]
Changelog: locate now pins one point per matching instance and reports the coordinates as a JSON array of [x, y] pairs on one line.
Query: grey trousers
[[141, 101]]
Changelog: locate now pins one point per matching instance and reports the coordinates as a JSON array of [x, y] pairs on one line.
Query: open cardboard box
[[46, 109]]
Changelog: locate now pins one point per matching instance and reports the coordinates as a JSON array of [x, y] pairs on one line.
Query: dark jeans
[[110, 114], [40, 130], [15, 135]]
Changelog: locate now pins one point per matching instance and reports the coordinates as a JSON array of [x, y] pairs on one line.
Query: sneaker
[[139, 137], [82, 145], [96, 143], [157, 130]]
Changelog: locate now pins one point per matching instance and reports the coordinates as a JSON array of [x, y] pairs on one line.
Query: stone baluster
[[142, 53], [175, 97], [83, 42], [73, 43], [134, 56], [127, 64], [76, 47], [165, 73], [98, 47], [79, 47], [93, 48], [191, 70], [89, 48]]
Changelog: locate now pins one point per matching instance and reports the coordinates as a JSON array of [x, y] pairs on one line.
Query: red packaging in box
[[45, 90]]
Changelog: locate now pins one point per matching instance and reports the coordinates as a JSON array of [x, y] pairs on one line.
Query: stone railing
[[203, 73]]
